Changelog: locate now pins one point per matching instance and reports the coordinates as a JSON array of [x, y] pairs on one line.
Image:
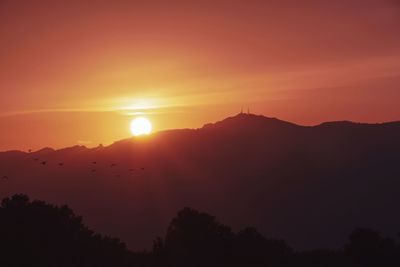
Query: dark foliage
[[33, 233], [196, 239], [368, 248]]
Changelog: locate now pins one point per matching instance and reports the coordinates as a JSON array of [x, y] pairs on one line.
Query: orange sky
[[75, 72]]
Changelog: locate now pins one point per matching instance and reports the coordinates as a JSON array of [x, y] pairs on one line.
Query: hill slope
[[308, 185]]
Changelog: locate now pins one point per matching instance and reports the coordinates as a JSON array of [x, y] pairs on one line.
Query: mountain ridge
[[239, 120], [307, 184]]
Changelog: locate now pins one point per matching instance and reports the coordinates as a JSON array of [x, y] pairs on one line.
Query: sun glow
[[140, 126]]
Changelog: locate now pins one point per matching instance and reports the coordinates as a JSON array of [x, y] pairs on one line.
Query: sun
[[140, 126]]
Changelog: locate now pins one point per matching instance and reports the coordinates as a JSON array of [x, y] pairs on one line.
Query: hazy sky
[[78, 71]]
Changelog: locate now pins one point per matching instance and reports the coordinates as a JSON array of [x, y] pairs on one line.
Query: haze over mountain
[[308, 185]]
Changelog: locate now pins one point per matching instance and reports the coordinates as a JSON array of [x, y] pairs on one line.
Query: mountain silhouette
[[310, 185]]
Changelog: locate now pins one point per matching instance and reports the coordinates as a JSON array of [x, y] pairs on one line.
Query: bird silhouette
[[94, 162], [60, 164], [43, 162], [131, 170], [113, 165], [142, 168], [30, 150]]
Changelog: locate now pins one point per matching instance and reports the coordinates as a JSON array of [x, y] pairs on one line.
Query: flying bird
[[113, 165], [94, 162], [60, 164], [43, 162]]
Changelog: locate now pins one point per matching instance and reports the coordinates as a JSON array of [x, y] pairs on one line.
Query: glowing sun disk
[[140, 126]]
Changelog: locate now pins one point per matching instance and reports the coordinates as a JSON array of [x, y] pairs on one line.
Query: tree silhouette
[[253, 249], [38, 234], [33, 233], [366, 247], [196, 239]]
